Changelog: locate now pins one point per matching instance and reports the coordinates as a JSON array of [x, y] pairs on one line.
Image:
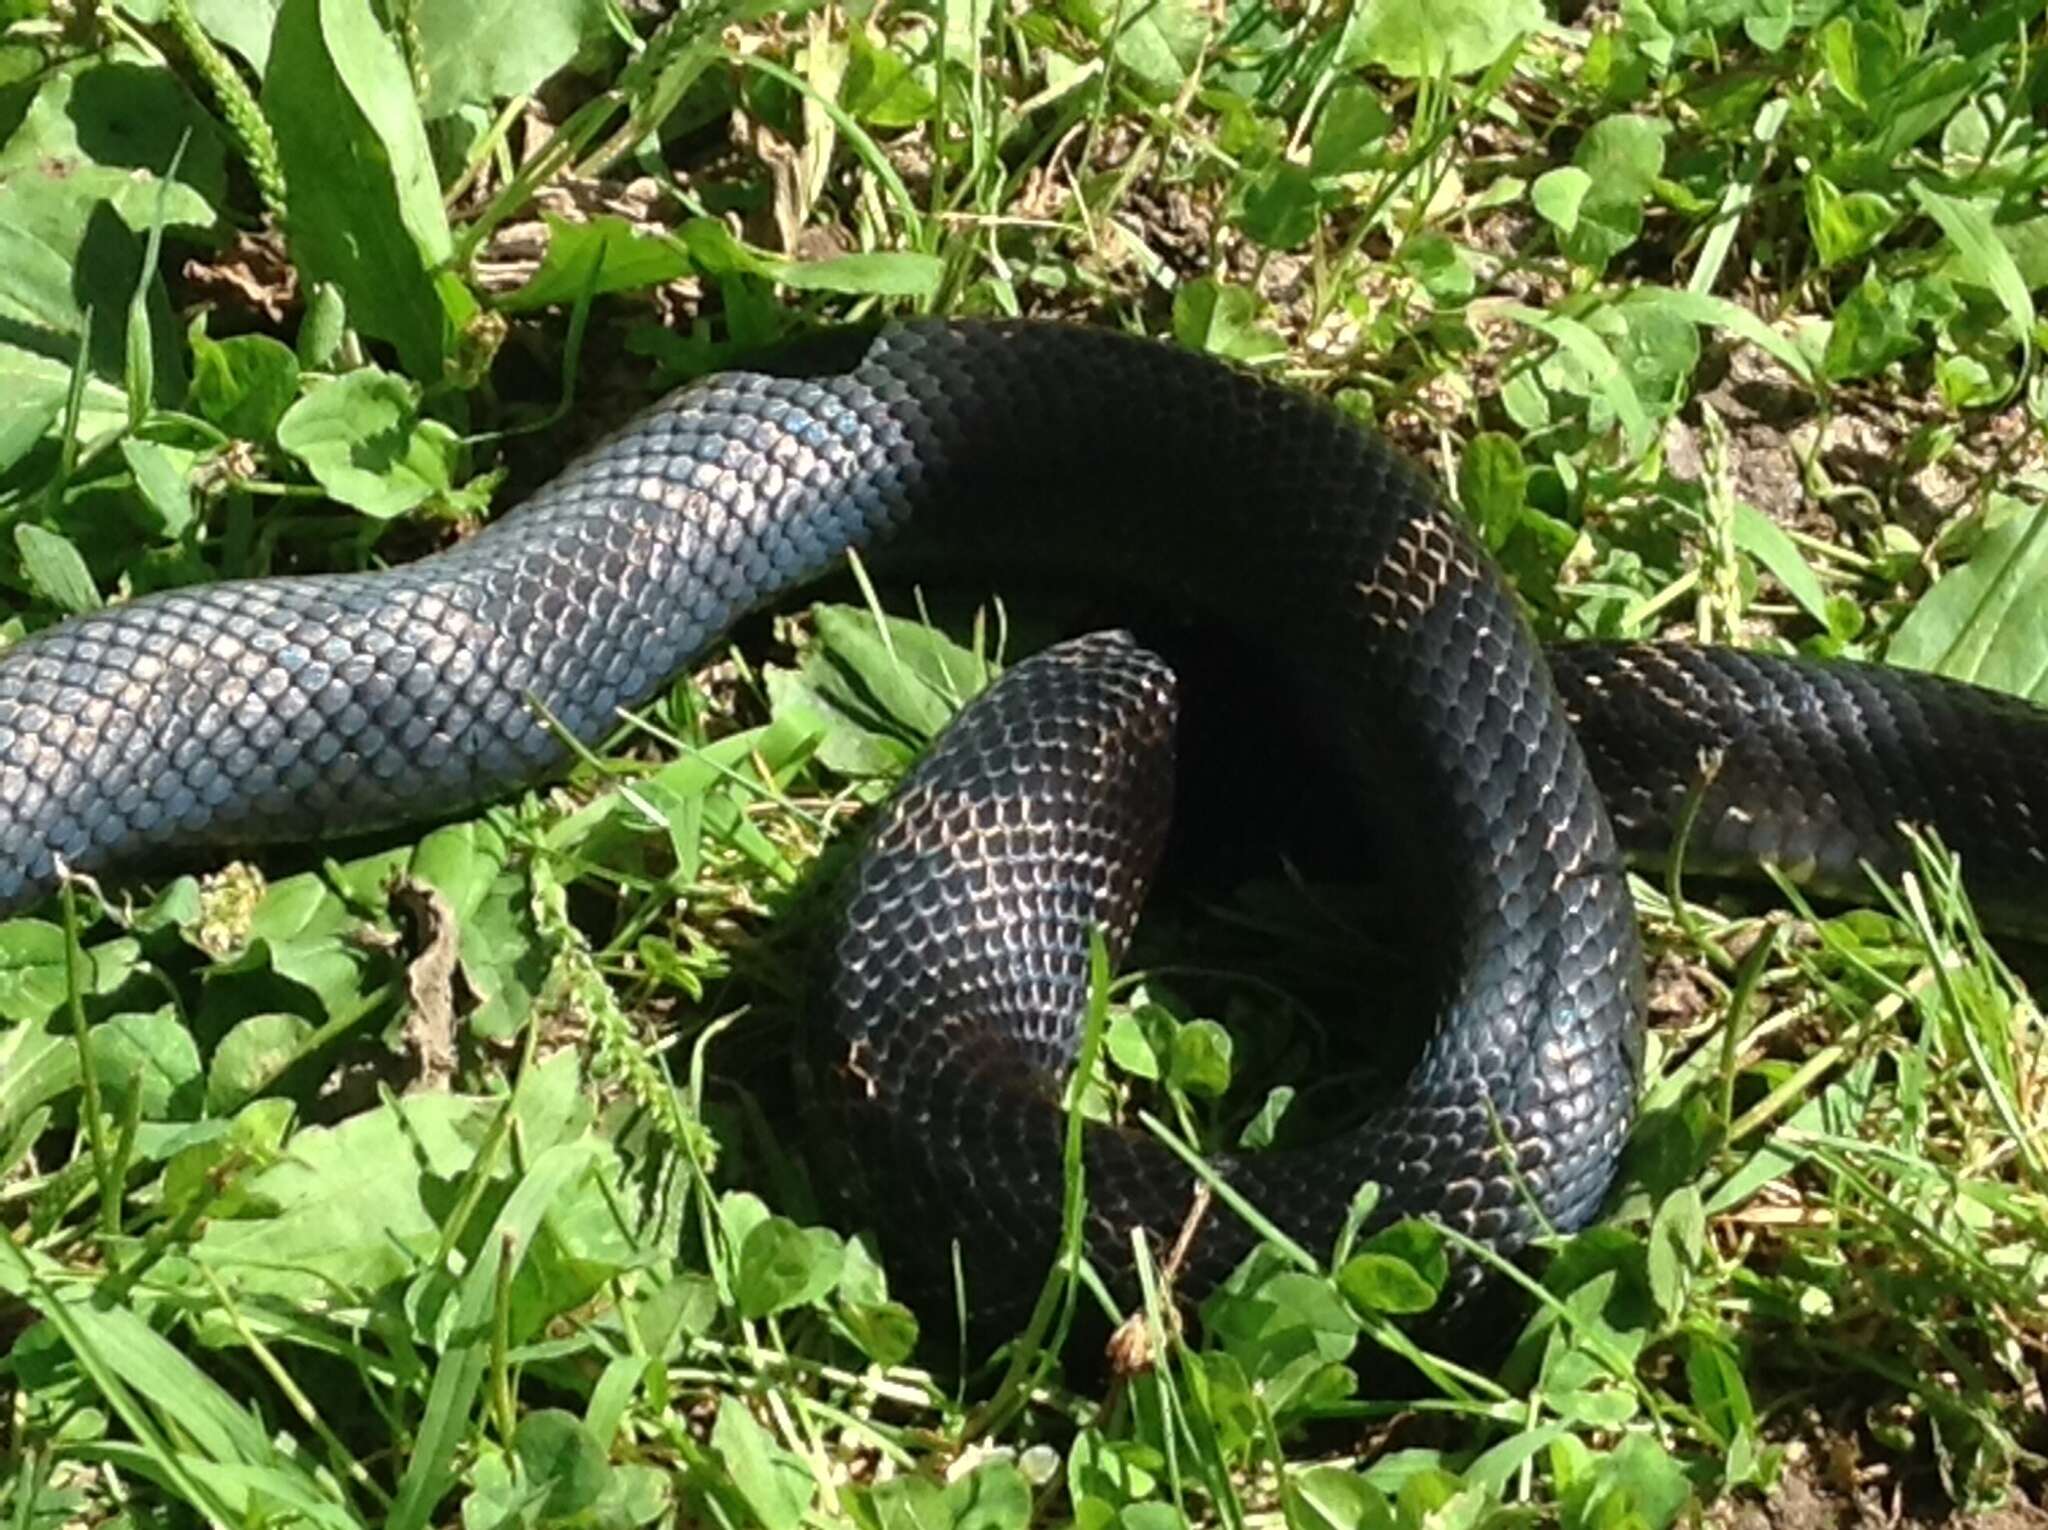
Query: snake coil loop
[[287, 708]]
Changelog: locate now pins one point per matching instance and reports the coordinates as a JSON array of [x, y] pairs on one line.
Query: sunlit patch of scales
[[1427, 558]]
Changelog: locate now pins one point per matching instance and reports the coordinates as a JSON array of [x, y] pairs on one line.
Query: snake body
[[287, 708]]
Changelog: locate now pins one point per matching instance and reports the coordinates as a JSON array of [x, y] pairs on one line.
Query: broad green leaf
[[994, 1496], [549, 1105], [1497, 1468], [1558, 194], [1259, 1132], [1289, 1331], [26, 419], [300, 930], [1966, 383], [1129, 1045], [1718, 1389], [1599, 1403], [32, 968], [1643, 1476], [349, 1208], [607, 254], [1765, 540], [1968, 138], [773, 1483], [634, 1494], [151, 1056], [364, 210], [881, 273], [378, 82], [782, 1265], [1335, 1498], [1278, 207], [324, 327], [1114, 1471], [1201, 1059], [104, 130], [1677, 1239], [1493, 482], [967, 23], [244, 383], [720, 252], [1437, 262], [1658, 348], [902, 677], [877, 273], [1863, 57], [251, 1056], [163, 479], [504, 959], [483, 51], [361, 437], [1881, 322], [1731, 318], [32, 395], [1429, 38], [1985, 261], [497, 1498], [1622, 156], [880, 88], [1918, 100], [1419, 1245], [851, 739], [1382, 1283], [561, 1461], [2027, 242], [35, 1068], [1987, 622], [1222, 319], [885, 1331], [1845, 225], [739, 1213], [243, 25], [68, 268], [55, 569], [1769, 23], [1352, 124], [1159, 44], [1604, 370]]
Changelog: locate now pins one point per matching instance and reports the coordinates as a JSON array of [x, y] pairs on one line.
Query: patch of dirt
[[1176, 227], [1823, 1489], [1680, 997], [1874, 451], [1881, 442]]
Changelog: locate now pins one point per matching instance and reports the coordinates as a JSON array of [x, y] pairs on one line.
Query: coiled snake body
[[285, 708]]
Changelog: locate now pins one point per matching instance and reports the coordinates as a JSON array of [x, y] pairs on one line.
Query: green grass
[[463, 1176]]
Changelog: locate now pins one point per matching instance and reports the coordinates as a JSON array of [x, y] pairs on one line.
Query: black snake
[[287, 708]]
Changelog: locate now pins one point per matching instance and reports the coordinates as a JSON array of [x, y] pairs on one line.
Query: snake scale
[[1510, 783]]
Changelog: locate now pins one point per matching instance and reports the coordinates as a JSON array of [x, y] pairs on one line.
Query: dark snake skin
[[295, 707]]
